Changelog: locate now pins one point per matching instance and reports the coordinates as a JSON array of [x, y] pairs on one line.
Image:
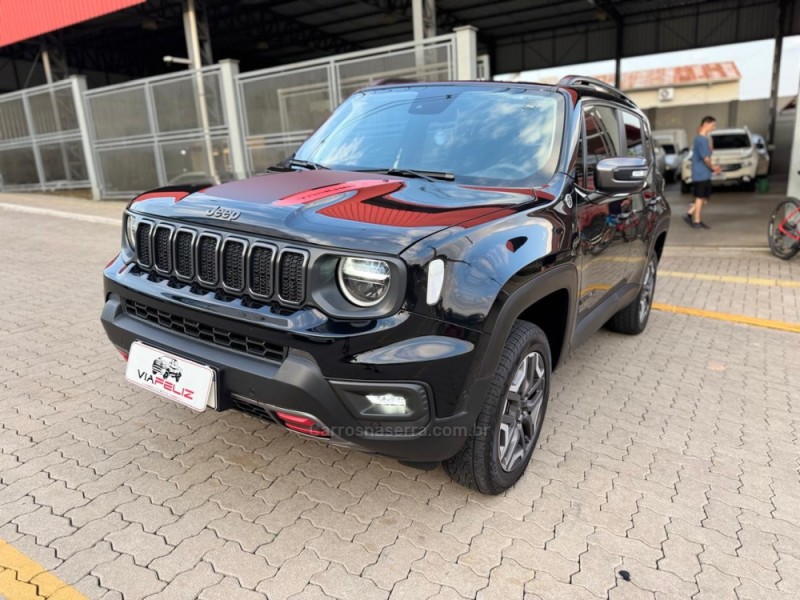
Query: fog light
[[385, 401], [388, 404]]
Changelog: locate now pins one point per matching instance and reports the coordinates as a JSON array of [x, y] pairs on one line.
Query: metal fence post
[[78, 86], [37, 157], [466, 52], [229, 82]]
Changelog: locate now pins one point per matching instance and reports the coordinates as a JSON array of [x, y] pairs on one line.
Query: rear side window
[[601, 129]]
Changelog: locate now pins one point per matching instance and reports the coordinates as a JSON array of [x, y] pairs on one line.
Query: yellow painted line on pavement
[[787, 283], [24, 579], [730, 318]]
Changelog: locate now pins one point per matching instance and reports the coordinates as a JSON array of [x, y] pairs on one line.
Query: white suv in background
[[734, 151]]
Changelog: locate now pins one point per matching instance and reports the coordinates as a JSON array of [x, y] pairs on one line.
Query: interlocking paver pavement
[[672, 456]]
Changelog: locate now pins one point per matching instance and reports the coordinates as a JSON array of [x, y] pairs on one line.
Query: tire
[[749, 186], [780, 244], [685, 188], [524, 364], [632, 319]]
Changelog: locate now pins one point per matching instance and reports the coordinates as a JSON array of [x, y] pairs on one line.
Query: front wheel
[[495, 455], [633, 318], [784, 229]]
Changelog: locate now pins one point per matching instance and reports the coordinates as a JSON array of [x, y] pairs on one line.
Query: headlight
[[364, 281], [130, 230]]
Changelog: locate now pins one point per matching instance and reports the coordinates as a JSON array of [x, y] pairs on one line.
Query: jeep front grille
[[207, 259], [162, 248], [143, 244], [292, 283], [201, 331], [236, 265], [262, 258], [233, 261], [184, 251]]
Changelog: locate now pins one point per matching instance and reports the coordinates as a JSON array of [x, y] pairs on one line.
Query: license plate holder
[[173, 377]]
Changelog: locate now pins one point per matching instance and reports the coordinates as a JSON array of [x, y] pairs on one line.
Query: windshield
[[669, 148], [731, 141], [484, 136]]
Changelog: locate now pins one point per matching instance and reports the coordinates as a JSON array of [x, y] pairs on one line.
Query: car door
[[604, 251]]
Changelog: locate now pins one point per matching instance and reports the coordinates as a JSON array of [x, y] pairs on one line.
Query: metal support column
[[78, 86], [618, 53], [195, 60], [466, 52], [228, 77], [423, 15], [61, 73], [780, 28]]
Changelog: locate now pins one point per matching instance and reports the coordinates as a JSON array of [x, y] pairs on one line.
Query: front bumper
[[729, 178], [316, 376]]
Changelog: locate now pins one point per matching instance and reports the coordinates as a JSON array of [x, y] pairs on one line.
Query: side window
[[633, 135], [602, 138]]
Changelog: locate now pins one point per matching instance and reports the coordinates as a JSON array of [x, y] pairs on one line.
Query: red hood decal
[[367, 188], [398, 213], [176, 196]]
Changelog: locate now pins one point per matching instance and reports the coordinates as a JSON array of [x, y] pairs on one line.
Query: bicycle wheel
[[784, 229]]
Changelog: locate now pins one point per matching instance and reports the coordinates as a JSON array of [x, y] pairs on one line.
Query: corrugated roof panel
[[24, 19]]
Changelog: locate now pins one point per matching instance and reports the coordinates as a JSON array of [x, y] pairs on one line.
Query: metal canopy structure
[[516, 34]]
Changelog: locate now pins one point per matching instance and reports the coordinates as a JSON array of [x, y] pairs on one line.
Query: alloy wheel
[[520, 418]]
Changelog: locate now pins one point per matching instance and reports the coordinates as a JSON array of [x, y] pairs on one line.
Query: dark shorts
[[702, 189]]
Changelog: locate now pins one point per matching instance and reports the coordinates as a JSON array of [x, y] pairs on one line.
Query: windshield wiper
[[305, 164], [427, 175]]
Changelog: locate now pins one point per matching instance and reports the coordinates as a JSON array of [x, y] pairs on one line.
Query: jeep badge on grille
[[225, 214]]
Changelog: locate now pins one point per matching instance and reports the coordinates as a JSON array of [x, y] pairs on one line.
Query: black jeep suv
[[406, 282]]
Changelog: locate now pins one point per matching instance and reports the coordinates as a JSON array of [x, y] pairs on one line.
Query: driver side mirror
[[621, 175]]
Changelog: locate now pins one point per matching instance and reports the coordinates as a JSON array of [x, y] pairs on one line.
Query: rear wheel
[[508, 426], [784, 229], [633, 318]]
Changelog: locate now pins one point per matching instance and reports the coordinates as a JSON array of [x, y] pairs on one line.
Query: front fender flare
[[560, 277]]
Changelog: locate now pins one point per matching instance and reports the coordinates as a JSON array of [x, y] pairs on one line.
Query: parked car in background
[[734, 151], [676, 146], [661, 158], [763, 154]]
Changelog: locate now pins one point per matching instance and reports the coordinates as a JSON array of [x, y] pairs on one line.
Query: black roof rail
[[571, 80]]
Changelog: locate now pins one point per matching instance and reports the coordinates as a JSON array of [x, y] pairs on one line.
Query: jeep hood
[[341, 209]]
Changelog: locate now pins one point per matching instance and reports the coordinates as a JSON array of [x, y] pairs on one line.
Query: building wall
[[688, 95]]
